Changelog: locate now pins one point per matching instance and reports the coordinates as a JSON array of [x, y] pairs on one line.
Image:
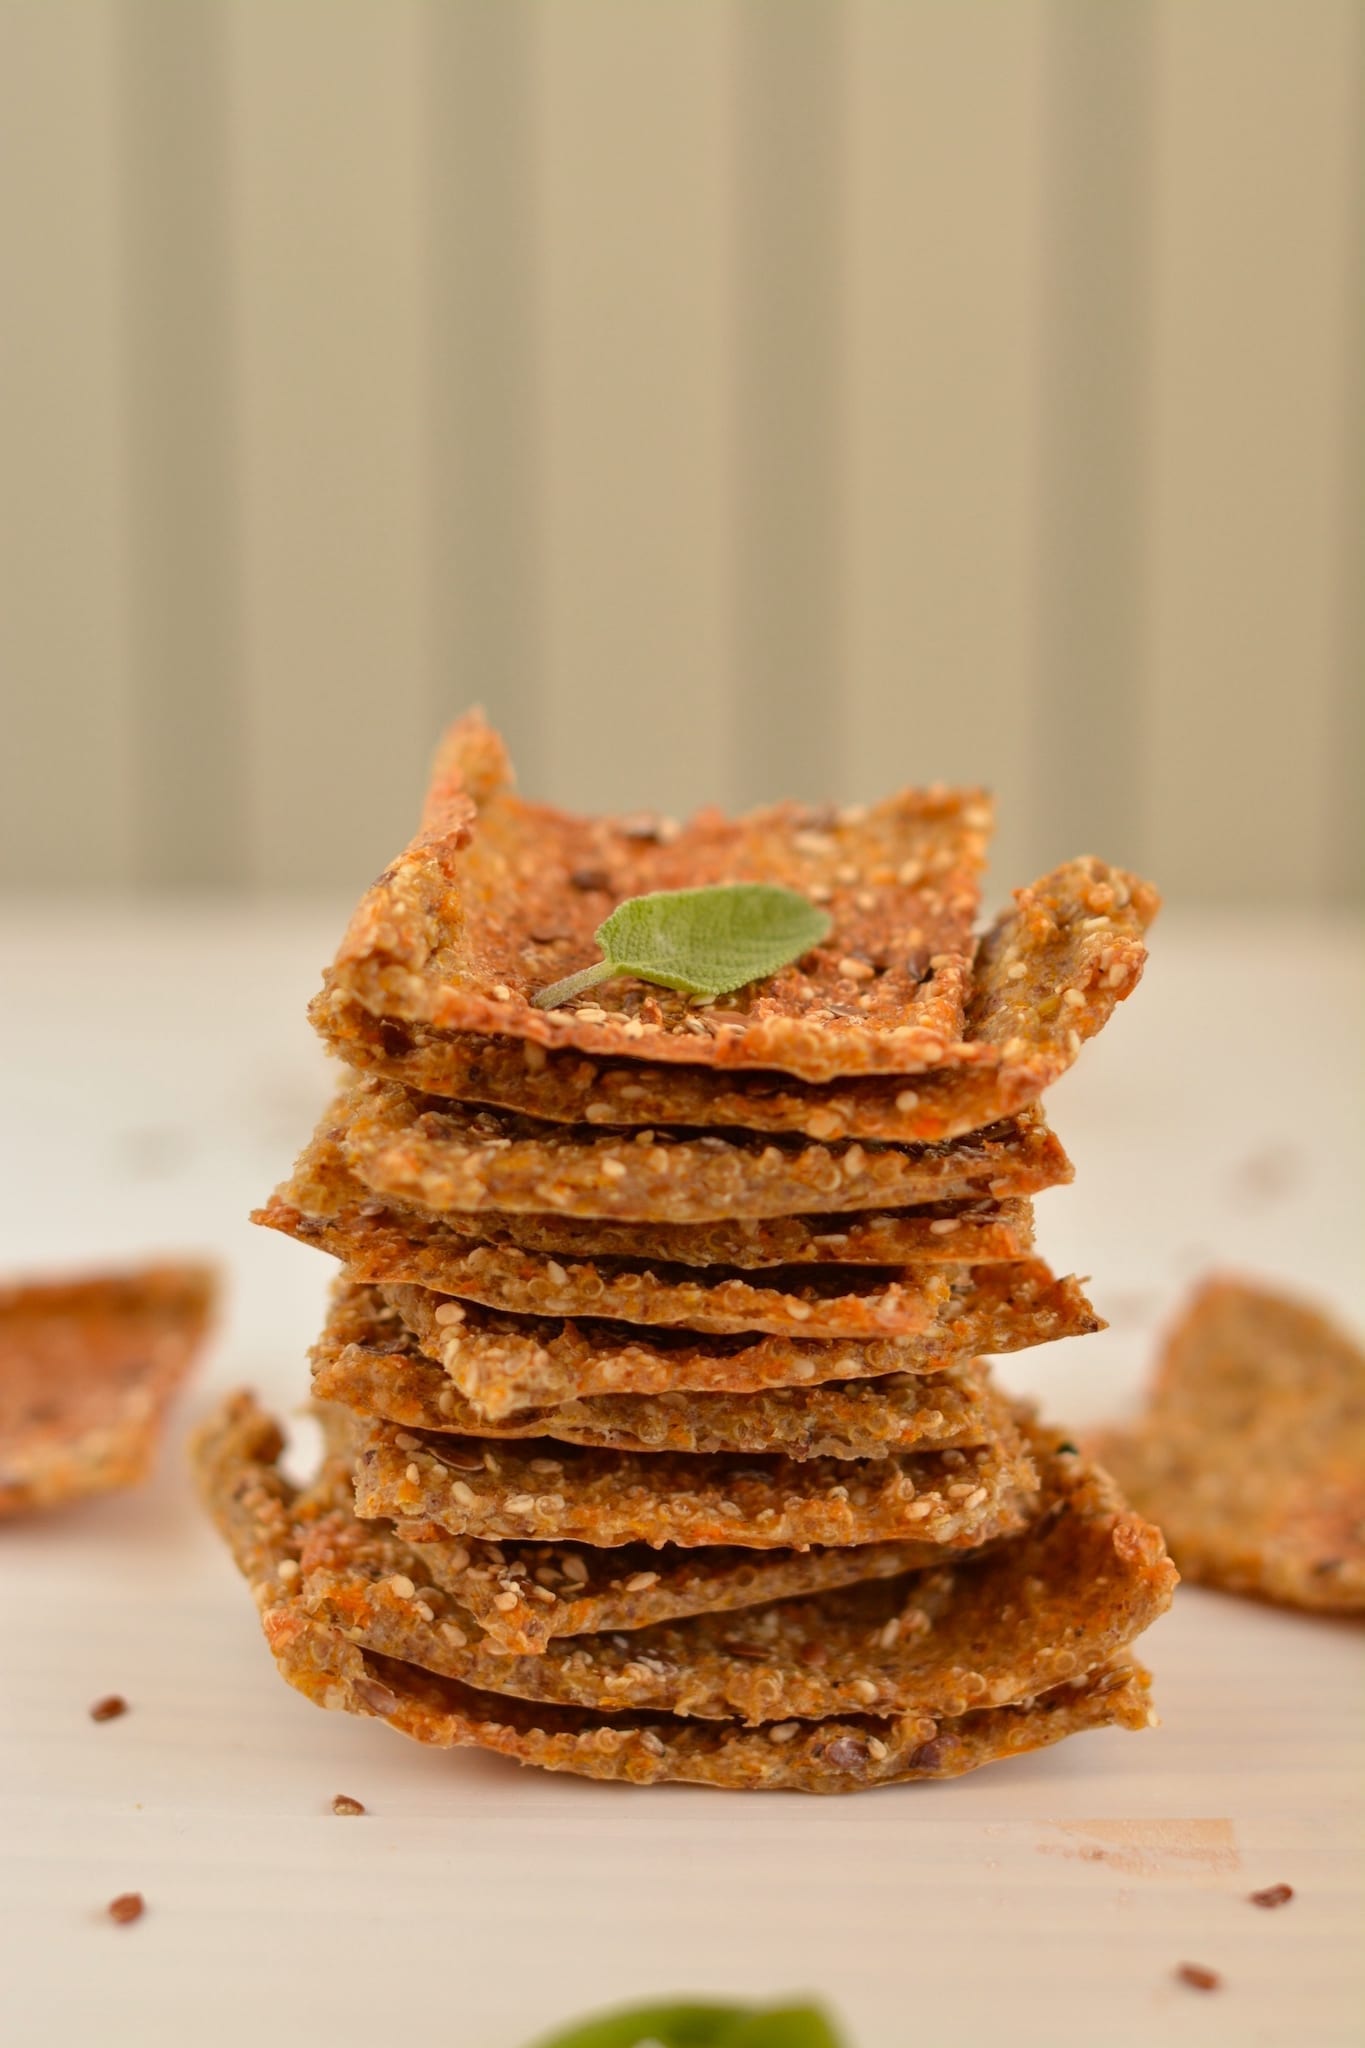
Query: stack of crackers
[[659, 1441]]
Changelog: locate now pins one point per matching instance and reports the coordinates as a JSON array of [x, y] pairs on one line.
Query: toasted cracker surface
[[1047, 977], [324, 1204], [506, 1363], [496, 898], [1251, 1453], [544, 1490], [1064, 1597], [444, 1157], [801, 1301], [270, 1529], [368, 1360], [88, 1368], [520, 1594], [853, 1753]]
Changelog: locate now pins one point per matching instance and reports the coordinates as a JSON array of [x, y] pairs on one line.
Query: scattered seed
[[343, 1803], [109, 1708], [1273, 1895], [1198, 1978], [126, 1908]]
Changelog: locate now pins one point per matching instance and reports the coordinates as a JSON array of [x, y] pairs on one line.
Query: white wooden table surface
[[158, 1076]]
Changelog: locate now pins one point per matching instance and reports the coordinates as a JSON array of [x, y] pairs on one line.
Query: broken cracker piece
[[1251, 1452], [88, 1369]]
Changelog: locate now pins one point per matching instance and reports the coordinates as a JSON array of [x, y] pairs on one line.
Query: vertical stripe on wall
[[785, 723], [634, 205], [189, 743], [66, 761], [484, 424], [942, 478], [1253, 411], [1094, 397], [330, 188]]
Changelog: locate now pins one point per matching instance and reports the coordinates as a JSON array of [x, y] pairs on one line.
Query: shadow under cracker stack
[[660, 1442]]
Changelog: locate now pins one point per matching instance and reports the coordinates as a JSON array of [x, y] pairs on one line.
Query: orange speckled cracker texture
[[1046, 978], [1251, 1453], [496, 898], [87, 1371]]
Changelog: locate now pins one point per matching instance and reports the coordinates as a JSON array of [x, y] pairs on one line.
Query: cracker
[[836, 1302], [850, 1754], [373, 1366], [522, 1595], [88, 1369], [1046, 978], [443, 1157], [1251, 1452], [496, 898], [506, 1363], [1085, 1579], [252, 1505], [541, 1490], [325, 1205]]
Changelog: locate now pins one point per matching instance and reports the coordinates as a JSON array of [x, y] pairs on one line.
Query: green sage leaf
[[685, 2025], [702, 942]]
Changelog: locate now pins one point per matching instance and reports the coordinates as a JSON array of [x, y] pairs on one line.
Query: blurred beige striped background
[[737, 398]]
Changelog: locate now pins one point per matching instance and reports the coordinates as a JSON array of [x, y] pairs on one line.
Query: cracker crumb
[[1198, 1978]]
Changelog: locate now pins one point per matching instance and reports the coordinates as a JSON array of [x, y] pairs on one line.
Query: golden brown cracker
[[88, 1368], [1046, 978], [541, 1490], [506, 1363], [446, 1158], [1251, 1451], [369, 1361], [1067, 1595], [497, 898], [323, 1204]]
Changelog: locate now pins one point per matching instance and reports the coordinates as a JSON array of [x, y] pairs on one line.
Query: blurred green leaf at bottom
[[684, 2025]]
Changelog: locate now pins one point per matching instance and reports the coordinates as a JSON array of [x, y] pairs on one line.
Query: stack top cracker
[[659, 1439]]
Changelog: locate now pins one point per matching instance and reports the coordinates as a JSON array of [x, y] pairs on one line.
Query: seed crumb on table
[[109, 1708], [126, 1908]]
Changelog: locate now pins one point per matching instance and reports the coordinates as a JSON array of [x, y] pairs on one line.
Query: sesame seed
[[556, 1272], [907, 1100], [889, 1631], [1016, 971], [463, 1493], [287, 1569], [854, 969], [1117, 974], [505, 1602], [401, 1585], [454, 1635], [448, 1312], [520, 1503], [591, 1013], [1073, 998], [575, 1569], [640, 1582], [784, 1731], [502, 993], [612, 1169], [343, 1803], [424, 1609], [877, 1749], [728, 1507], [943, 1226], [413, 1475], [406, 1442], [863, 1689]]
